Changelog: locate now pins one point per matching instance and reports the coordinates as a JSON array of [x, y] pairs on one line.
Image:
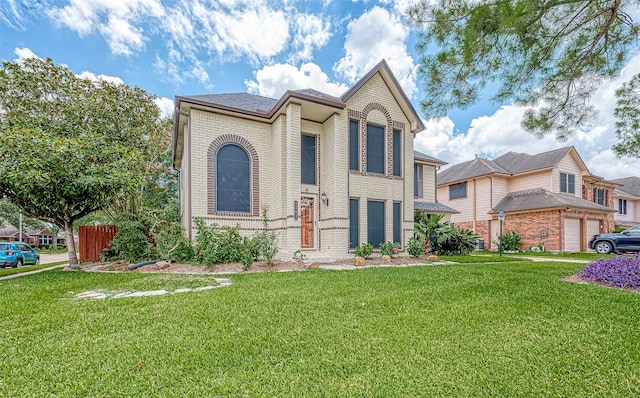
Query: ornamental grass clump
[[620, 271]]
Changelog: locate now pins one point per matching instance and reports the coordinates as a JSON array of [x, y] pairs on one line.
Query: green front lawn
[[474, 330], [11, 271]]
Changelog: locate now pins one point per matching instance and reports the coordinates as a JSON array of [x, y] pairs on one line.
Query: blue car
[[17, 254]]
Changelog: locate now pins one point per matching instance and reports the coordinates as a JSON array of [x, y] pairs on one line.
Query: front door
[[306, 214]]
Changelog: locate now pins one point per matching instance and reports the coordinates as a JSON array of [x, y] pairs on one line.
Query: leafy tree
[[69, 146], [628, 114], [549, 53], [11, 214]]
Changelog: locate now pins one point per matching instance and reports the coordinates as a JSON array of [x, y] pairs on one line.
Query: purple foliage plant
[[619, 271]]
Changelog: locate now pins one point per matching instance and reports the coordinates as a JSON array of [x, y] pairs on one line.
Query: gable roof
[[541, 199], [630, 186], [423, 157], [471, 169], [511, 163]]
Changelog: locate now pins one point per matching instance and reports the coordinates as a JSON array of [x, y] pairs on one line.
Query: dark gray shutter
[[375, 222], [354, 145], [396, 222], [308, 159], [397, 152], [354, 223]]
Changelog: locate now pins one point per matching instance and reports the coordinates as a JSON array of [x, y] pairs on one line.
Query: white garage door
[[572, 234], [593, 228]]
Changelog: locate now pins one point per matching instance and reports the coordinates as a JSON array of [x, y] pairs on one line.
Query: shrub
[[171, 243], [511, 241], [390, 248], [218, 245], [364, 250], [620, 271], [131, 242], [455, 241], [415, 247]]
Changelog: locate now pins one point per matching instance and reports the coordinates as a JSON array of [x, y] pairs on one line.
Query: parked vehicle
[[17, 254], [625, 241]]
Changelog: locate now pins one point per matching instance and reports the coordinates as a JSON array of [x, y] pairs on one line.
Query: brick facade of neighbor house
[[549, 199], [292, 152]]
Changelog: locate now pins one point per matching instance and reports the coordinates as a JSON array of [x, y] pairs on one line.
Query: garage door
[[593, 228], [572, 234]]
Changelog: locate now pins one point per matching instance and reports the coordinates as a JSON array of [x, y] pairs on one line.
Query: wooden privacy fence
[[94, 238]]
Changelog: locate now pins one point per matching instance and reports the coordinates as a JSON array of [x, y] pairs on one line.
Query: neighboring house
[[35, 237], [425, 171], [626, 199], [550, 198], [331, 172]]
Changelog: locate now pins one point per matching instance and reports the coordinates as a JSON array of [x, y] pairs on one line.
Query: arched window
[[233, 179]]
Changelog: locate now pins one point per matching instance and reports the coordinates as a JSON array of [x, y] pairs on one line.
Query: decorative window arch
[[232, 176], [388, 169]]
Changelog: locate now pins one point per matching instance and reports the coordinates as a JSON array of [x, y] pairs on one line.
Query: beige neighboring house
[[331, 172], [549, 198], [626, 199]]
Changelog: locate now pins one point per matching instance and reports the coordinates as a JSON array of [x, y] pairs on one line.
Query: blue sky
[[265, 47]]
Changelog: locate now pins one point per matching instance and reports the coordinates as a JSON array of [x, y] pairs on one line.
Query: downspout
[[475, 198]]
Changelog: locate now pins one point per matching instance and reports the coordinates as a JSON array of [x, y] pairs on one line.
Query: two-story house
[[626, 198], [549, 198], [331, 172]]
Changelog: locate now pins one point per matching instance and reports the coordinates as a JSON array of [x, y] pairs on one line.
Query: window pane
[[309, 159], [457, 191], [572, 183], [375, 222], [233, 179], [397, 151], [354, 223], [354, 145], [563, 182], [375, 149], [396, 222]]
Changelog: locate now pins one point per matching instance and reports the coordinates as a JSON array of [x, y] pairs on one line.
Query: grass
[[462, 330], [11, 271]]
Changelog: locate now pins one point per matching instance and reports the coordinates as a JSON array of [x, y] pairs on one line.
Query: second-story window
[[600, 196], [417, 180], [308, 159], [567, 183], [375, 149], [622, 206], [457, 191]]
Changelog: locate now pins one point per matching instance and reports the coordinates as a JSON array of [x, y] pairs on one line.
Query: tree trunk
[[71, 243]]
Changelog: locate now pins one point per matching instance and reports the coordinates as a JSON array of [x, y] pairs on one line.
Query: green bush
[[216, 245], [415, 247], [171, 243], [364, 250], [455, 241], [131, 240], [511, 241], [390, 248]]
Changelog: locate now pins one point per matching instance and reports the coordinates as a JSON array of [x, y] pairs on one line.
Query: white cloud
[[310, 32], [375, 35], [24, 53], [272, 81], [491, 136], [115, 20], [93, 77], [166, 106]]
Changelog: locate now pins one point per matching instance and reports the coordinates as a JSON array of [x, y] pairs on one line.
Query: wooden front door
[[306, 214]]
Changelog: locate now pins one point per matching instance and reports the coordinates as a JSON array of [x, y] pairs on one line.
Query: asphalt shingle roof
[[539, 199], [434, 207], [630, 186], [510, 163], [423, 156], [242, 101]]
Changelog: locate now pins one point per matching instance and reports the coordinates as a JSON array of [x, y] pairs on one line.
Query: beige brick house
[[332, 172], [549, 198]]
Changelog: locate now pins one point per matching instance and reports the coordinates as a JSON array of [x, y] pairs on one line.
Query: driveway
[[52, 258]]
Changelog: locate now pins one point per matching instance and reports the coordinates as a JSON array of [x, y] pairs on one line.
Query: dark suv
[[628, 240]]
